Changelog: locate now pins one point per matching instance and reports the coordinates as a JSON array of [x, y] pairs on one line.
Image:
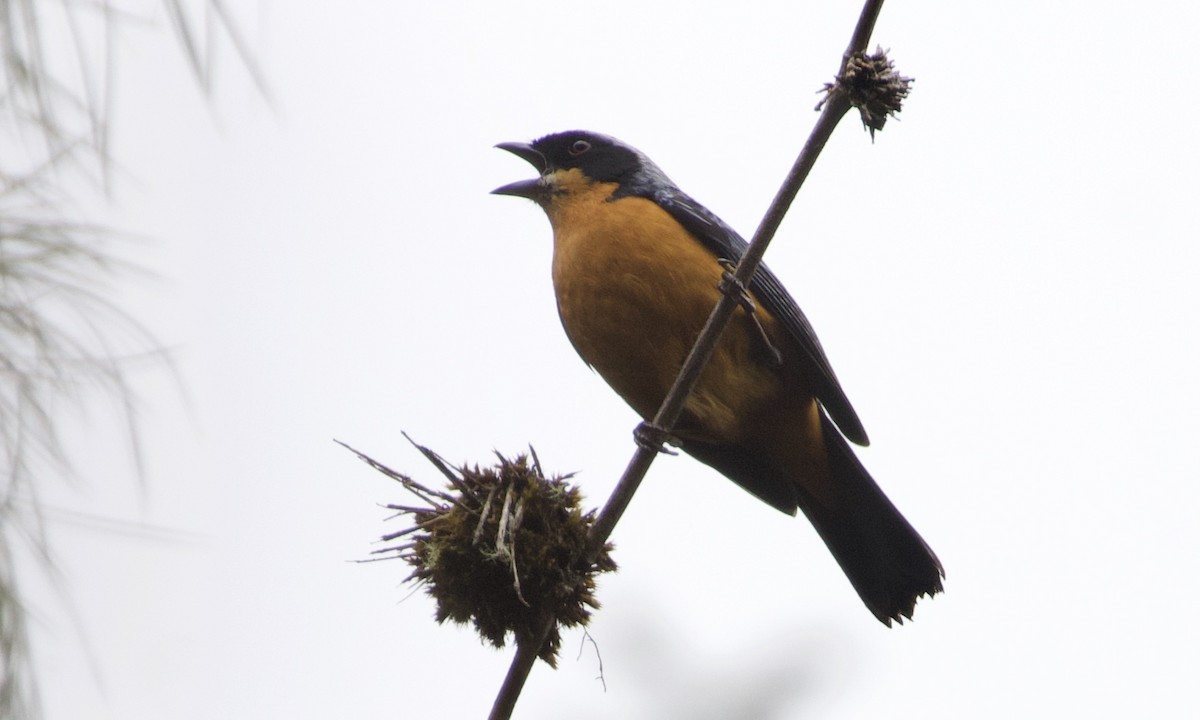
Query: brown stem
[[835, 107], [863, 30]]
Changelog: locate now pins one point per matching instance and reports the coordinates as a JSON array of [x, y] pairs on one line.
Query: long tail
[[885, 559]]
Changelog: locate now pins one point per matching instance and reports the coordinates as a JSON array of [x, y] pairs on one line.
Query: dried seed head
[[872, 85], [501, 548]]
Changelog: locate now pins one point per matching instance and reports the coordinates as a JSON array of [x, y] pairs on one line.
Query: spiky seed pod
[[502, 548], [872, 85]]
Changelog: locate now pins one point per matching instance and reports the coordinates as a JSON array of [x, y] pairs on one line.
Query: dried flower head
[[872, 85], [502, 548]]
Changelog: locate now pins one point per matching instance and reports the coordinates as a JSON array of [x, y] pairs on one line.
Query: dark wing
[[725, 243]]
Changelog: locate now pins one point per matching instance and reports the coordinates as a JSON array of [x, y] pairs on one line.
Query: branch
[[834, 108], [863, 30]]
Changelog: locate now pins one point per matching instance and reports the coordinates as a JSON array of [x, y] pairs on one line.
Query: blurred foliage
[[62, 337]]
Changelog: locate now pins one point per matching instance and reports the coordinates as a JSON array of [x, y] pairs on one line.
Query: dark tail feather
[[886, 560], [749, 469]]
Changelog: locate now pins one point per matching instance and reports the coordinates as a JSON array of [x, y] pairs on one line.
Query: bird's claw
[[735, 288], [653, 437]]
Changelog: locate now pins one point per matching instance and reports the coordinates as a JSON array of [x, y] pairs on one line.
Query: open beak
[[532, 189]]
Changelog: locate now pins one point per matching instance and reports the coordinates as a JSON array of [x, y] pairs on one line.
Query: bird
[[637, 268]]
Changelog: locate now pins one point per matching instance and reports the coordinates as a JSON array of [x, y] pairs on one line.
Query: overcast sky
[[1007, 283]]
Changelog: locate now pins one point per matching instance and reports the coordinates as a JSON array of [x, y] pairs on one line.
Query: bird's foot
[[652, 437], [734, 288]]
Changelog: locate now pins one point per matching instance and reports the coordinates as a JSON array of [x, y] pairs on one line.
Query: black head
[[601, 158]]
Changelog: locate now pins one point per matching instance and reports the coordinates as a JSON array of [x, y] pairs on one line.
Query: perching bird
[[636, 269]]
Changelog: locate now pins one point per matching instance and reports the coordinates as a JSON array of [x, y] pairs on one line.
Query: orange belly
[[634, 290]]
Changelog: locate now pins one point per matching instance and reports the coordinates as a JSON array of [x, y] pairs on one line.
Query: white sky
[[1005, 282]]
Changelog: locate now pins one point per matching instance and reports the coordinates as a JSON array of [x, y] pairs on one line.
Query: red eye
[[579, 147]]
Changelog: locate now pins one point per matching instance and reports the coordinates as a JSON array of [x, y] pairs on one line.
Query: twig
[[834, 109], [483, 515], [411, 509], [440, 463], [420, 491], [863, 30], [398, 534], [587, 637]]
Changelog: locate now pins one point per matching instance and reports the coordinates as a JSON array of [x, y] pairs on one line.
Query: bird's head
[[576, 158]]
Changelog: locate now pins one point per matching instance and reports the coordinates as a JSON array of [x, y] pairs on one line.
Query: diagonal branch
[[835, 107]]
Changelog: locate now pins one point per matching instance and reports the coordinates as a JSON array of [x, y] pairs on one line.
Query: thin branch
[[242, 48], [439, 462], [201, 69], [412, 510], [834, 110], [863, 30], [415, 488]]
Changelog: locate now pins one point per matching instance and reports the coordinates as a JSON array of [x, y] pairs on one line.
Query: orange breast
[[634, 290]]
